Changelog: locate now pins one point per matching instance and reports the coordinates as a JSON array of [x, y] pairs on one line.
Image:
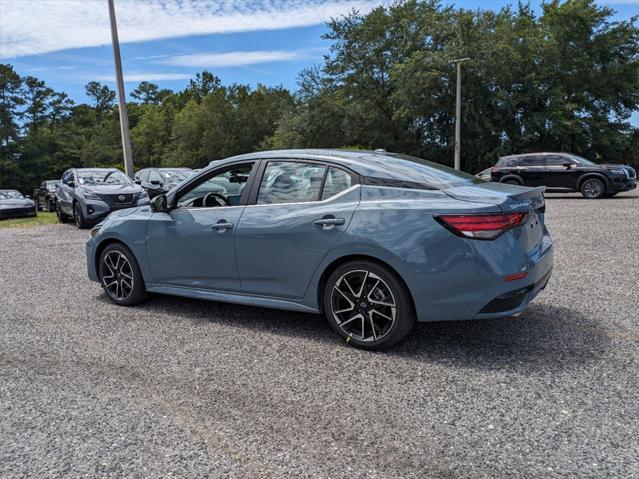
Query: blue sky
[[67, 42]]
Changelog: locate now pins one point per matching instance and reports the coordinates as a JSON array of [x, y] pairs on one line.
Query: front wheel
[[120, 275], [368, 305], [78, 216], [593, 188]]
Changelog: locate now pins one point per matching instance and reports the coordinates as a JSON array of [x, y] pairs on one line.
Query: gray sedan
[[14, 204]]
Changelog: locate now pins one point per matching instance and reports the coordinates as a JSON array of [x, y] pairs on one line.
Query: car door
[[65, 192], [531, 170], [559, 175], [193, 245], [298, 211]]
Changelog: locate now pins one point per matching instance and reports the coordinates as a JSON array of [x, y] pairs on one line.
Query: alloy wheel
[[592, 189], [363, 305], [117, 275]]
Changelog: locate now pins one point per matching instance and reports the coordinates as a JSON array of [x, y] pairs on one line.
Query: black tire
[[593, 188], [121, 294], [62, 218], [369, 280], [50, 207], [78, 217]]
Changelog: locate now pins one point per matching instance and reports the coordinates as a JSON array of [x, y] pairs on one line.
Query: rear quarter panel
[[447, 276]]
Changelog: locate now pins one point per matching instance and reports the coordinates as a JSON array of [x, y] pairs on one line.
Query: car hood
[[113, 189], [17, 203], [507, 197]]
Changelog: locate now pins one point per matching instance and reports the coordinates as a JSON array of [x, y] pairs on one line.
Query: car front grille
[[16, 212], [127, 199]]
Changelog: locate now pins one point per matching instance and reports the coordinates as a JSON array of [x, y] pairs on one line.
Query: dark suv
[[565, 172]]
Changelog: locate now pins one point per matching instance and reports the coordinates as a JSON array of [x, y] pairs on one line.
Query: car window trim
[[355, 179], [195, 182]]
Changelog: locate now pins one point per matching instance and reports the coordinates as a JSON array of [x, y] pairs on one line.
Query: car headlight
[[95, 229], [618, 171], [90, 196], [143, 195]]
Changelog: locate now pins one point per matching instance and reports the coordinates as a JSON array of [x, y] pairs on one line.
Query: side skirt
[[226, 297]]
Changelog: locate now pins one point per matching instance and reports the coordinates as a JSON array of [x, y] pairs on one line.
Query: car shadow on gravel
[[552, 336]]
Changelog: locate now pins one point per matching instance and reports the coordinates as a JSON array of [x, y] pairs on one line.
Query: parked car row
[[562, 172]]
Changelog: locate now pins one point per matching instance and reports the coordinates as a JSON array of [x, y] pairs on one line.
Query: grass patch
[[43, 218]]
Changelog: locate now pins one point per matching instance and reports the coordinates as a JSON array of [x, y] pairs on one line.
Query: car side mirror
[[156, 182], [137, 181], [71, 184], [159, 204], [568, 165]]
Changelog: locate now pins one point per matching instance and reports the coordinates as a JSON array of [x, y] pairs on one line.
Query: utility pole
[[458, 62], [124, 117]]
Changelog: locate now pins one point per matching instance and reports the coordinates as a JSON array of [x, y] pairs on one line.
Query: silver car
[[88, 195]]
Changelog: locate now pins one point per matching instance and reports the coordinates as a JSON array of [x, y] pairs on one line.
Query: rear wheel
[[120, 276], [593, 188], [368, 305], [512, 182]]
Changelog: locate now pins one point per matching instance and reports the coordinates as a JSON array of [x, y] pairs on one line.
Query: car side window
[[290, 182], [556, 160], [224, 188], [154, 176], [336, 181], [531, 161], [68, 176]]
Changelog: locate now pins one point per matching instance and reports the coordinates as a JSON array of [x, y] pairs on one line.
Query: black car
[[44, 196], [565, 172], [14, 204], [157, 181]]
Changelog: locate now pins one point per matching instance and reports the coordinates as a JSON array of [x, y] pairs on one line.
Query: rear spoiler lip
[[530, 199]]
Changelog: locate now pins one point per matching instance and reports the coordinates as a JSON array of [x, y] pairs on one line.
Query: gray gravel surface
[[179, 387]]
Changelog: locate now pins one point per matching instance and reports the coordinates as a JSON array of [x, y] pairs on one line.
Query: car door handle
[[329, 223], [221, 226]]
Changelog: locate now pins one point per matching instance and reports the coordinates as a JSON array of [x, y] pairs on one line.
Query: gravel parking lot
[[180, 387]]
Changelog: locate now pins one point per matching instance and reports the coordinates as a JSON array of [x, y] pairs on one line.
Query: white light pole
[[124, 117], [458, 62]]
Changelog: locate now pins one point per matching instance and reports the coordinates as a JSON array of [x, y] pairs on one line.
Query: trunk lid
[[509, 198]]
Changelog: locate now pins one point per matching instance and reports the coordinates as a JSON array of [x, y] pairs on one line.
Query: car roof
[[96, 169], [376, 164], [536, 154]]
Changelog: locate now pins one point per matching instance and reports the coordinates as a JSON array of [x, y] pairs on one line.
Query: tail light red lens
[[481, 226]]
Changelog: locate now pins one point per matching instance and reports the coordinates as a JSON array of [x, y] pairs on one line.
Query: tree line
[[564, 80]]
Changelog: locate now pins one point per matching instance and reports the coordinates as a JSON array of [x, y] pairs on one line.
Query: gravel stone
[[187, 388]]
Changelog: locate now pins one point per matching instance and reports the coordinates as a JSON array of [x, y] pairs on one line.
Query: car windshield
[[10, 195], [581, 161], [175, 176], [102, 177]]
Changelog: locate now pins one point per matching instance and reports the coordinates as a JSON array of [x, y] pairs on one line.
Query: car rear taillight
[[481, 226]]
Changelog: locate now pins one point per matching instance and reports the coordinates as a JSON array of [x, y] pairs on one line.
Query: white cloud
[[140, 77], [233, 59], [32, 27]]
